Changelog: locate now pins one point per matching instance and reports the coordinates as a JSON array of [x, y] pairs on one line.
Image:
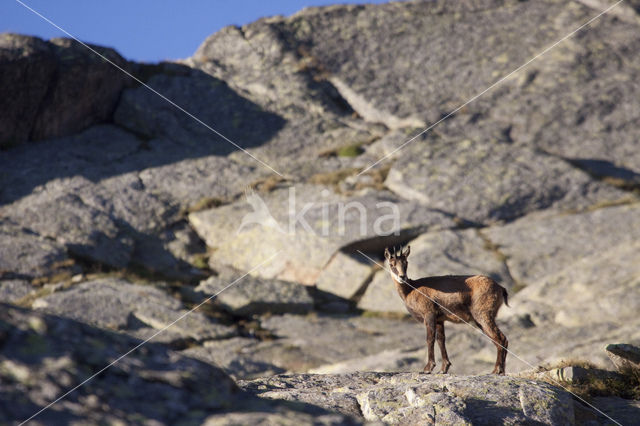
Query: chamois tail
[[505, 296]]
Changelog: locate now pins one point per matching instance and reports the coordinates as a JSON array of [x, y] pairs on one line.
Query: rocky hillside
[[120, 212]]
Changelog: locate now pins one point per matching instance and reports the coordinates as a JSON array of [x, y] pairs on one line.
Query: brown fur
[[474, 299]]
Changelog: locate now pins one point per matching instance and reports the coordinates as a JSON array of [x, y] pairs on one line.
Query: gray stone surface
[[117, 304], [319, 96], [26, 254], [345, 274], [302, 343], [487, 181], [66, 218], [595, 288], [381, 295], [55, 87], [596, 98], [14, 290], [205, 97], [417, 398], [542, 245], [44, 356], [237, 357], [266, 418], [249, 295]]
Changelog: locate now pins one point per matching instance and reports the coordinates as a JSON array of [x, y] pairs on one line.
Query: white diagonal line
[[147, 340], [493, 341], [150, 88], [492, 86]]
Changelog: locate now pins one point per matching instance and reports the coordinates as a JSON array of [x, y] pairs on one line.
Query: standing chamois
[[474, 299]]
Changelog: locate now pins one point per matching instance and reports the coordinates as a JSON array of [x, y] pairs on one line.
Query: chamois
[[474, 299]]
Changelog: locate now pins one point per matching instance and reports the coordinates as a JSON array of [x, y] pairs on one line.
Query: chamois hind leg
[[440, 337], [430, 324], [489, 327]]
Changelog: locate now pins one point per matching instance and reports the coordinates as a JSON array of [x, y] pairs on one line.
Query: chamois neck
[[403, 288]]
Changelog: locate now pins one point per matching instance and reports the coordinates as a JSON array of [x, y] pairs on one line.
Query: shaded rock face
[[166, 384], [44, 356], [208, 99], [257, 296], [55, 88]]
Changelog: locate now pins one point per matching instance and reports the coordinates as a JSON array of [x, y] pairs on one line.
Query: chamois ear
[[387, 255], [406, 251]]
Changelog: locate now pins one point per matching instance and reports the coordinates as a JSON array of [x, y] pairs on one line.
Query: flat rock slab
[[541, 245], [412, 398], [489, 181], [65, 217], [238, 357], [117, 304], [26, 254], [301, 343], [250, 295], [592, 289]]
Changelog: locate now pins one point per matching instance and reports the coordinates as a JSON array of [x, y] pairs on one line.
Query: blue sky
[[144, 30]]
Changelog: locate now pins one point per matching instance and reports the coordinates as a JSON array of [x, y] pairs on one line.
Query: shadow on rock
[[156, 133], [44, 356]]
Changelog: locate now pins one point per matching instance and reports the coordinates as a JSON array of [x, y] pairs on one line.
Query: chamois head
[[398, 262]]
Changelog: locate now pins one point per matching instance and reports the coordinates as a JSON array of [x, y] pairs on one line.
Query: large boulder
[[393, 59], [592, 289], [345, 275], [55, 88], [295, 231]]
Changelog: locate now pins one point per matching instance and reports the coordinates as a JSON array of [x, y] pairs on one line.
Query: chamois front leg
[[443, 349], [430, 324]]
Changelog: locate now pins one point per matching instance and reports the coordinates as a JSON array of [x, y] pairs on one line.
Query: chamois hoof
[[428, 368], [445, 368]]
